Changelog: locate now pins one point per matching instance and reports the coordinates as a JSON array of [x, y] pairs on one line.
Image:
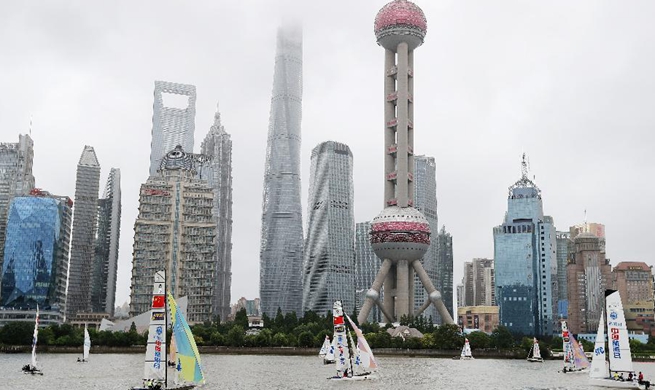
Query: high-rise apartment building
[[367, 265], [460, 295], [478, 283], [175, 231], [16, 179], [217, 147], [445, 269], [525, 261], [329, 254], [172, 123], [281, 246], [105, 267], [425, 200], [588, 274], [85, 218], [564, 245], [633, 280], [35, 270]]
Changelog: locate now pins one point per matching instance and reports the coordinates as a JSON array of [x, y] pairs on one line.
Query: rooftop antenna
[[30, 125], [585, 221]]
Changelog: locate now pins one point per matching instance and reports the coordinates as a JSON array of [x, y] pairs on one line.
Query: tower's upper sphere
[[400, 21], [400, 233]]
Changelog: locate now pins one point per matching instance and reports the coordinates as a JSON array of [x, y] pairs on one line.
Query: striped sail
[[187, 355], [579, 358], [155, 365], [364, 352], [598, 369], [618, 347]]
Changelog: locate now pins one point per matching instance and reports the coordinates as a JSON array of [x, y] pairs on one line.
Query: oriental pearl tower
[[400, 235]]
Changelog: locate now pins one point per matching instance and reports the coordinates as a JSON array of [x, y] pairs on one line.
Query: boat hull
[[614, 384], [535, 360], [575, 371], [352, 378]]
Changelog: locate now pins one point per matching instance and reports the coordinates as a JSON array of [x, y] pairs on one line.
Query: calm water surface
[[61, 371]]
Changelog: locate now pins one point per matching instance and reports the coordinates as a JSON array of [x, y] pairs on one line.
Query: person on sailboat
[[641, 381]]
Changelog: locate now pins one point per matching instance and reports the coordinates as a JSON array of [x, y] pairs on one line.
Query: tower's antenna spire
[[30, 125], [524, 167]]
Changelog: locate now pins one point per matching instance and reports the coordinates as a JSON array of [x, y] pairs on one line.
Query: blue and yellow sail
[[187, 356]]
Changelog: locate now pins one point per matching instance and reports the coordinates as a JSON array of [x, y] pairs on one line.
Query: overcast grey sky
[[569, 82]]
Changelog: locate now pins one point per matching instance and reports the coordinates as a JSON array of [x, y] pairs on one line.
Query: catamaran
[[32, 368], [327, 351], [466, 351], [361, 363], [575, 360], [534, 356], [620, 358], [87, 346], [188, 372]]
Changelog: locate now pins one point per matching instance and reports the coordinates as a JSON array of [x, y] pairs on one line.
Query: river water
[[107, 371]]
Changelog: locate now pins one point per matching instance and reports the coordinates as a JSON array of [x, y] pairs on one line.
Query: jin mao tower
[[400, 234]]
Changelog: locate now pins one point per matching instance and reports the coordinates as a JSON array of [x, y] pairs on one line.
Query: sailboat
[[155, 374], [466, 351], [534, 356], [327, 351], [350, 367], [87, 346], [620, 358], [32, 368], [575, 360]]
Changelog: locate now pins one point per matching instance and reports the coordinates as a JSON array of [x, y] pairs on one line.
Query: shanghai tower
[[281, 250]]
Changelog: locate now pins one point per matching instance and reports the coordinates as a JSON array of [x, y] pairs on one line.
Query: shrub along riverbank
[[288, 334]]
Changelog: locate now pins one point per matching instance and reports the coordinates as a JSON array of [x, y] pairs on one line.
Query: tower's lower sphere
[[400, 233]]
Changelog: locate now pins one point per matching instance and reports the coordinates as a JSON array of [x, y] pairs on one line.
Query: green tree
[[280, 340], [264, 338], [502, 338], [587, 345], [448, 337], [479, 340], [17, 333], [305, 339], [235, 336], [217, 338], [290, 321], [133, 327], [241, 318], [556, 343]]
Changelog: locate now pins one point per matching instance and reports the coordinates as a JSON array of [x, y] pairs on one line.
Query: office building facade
[[85, 218], [634, 282], [445, 269], [171, 126], [329, 253], [16, 178], [525, 261], [35, 269], [175, 231], [217, 147], [105, 267], [367, 265], [281, 245]]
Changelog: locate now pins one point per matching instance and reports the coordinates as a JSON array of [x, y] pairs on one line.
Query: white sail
[[155, 364], [598, 368], [325, 347], [617, 334], [364, 355], [536, 352], [35, 336], [87, 343], [330, 352], [466, 350], [342, 353]]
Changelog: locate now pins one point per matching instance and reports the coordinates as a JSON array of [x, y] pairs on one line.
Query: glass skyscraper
[[329, 264], [217, 170], [105, 267], [425, 200], [445, 269], [16, 179], [367, 265], [281, 246], [525, 262], [564, 244], [36, 253], [85, 221], [171, 125]]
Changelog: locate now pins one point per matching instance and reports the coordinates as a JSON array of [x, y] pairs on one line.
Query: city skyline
[[483, 98]]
